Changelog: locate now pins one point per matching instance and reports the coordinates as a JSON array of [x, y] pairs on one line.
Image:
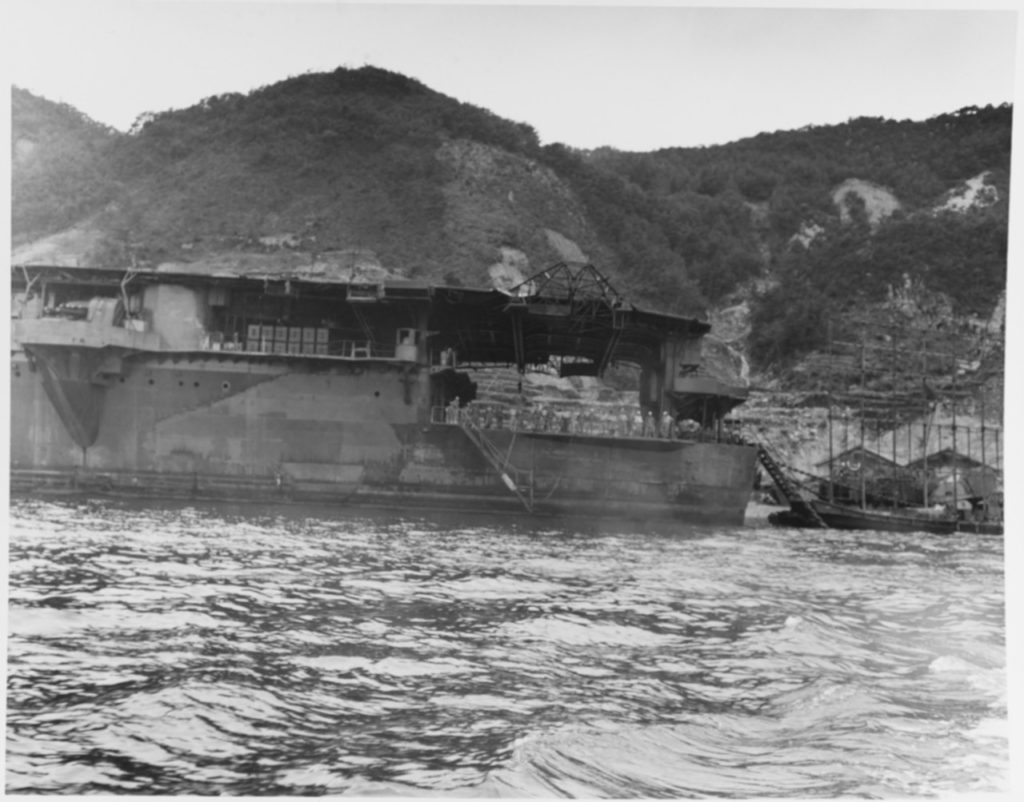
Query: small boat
[[910, 519], [808, 509]]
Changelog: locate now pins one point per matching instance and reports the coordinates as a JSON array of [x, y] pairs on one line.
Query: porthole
[[195, 384], [376, 393], [225, 386], [151, 381]]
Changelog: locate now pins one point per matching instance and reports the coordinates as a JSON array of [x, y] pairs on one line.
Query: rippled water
[[258, 650]]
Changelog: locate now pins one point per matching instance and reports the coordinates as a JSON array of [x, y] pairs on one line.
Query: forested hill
[[837, 218], [370, 170]]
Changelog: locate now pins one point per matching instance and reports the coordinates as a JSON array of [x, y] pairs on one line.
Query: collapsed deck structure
[[299, 387]]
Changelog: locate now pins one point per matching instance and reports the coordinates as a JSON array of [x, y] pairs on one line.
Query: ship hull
[[224, 426]]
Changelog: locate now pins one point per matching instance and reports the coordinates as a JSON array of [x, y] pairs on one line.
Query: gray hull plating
[[232, 427]]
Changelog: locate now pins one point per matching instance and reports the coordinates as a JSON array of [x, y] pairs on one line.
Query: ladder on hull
[[371, 343], [797, 502], [500, 464]]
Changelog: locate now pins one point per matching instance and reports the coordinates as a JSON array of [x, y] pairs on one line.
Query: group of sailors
[[620, 422]]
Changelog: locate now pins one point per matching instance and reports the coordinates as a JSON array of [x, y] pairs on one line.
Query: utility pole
[[956, 478], [863, 490], [831, 455]]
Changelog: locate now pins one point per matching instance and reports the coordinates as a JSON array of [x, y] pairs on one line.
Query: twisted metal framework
[[569, 311], [582, 282]]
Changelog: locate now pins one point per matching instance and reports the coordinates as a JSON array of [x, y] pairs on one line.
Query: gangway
[[789, 490], [494, 457]]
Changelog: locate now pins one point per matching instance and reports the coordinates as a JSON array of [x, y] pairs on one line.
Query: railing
[[617, 422], [338, 349]]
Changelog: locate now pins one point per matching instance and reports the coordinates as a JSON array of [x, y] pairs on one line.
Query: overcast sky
[[635, 78]]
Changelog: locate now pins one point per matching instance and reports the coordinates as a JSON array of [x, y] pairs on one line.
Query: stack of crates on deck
[[259, 338], [280, 340], [271, 339], [294, 339], [314, 340]]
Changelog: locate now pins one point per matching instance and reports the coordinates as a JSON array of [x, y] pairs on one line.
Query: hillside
[[317, 168], [60, 169], [785, 239]]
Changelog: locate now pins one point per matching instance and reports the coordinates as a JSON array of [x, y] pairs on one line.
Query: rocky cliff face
[[879, 202], [506, 206]]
